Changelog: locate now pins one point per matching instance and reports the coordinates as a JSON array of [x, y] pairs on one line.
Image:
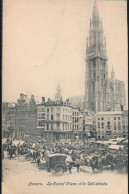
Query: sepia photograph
[[64, 97]]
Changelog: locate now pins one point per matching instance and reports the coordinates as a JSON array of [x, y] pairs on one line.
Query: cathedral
[[102, 92]]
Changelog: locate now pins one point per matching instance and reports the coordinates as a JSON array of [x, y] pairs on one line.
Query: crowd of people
[[90, 155]]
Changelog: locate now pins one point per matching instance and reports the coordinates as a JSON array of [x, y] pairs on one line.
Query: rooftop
[[110, 113]]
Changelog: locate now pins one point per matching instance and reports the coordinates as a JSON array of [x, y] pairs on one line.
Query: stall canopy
[[115, 147]]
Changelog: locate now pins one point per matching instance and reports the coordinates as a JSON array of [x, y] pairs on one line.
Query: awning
[[116, 147]]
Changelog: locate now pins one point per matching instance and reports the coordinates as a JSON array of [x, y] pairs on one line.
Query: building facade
[[58, 119], [77, 122], [125, 123], [116, 94], [41, 117], [111, 125], [25, 116], [101, 93], [8, 119], [89, 123]]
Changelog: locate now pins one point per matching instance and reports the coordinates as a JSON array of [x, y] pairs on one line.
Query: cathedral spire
[[96, 41], [96, 61], [95, 14]]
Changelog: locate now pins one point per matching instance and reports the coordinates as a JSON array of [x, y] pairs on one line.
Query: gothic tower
[[96, 65]]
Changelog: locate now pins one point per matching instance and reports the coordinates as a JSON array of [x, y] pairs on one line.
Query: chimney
[[49, 99], [43, 99]]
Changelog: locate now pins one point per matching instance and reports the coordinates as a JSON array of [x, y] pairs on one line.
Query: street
[[22, 177]]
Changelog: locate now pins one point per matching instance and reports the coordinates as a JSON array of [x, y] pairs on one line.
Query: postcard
[[64, 97]]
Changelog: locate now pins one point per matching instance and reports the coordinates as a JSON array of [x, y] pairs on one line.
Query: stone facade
[[58, 119], [41, 118], [8, 119], [25, 116], [111, 125], [101, 93], [125, 124], [89, 123], [116, 94]]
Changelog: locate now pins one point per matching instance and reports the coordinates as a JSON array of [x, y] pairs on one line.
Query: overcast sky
[[44, 43]]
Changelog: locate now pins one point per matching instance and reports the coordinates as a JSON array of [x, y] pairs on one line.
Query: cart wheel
[[59, 169]]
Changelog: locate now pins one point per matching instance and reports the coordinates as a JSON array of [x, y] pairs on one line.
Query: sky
[[44, 44]]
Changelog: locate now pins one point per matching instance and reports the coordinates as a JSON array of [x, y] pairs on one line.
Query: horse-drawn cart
[[55, 163]]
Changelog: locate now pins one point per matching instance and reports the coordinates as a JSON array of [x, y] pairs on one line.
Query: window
[[65, 126], [108, 125], [98, 118], [47, 110], [51, 117], [119, 125], [43, 110], [102, 118], [75, 113], [58, 125], [47, 117], [63, 117], [114, 118], [115, 125], [123, 127], [47, 126], [52, 126], [52, 110], [118, 118], [42, 116], [41, 123], [102, 124], [98, 124]]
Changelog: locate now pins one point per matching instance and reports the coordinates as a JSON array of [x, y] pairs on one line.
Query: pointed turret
[[58, 93]]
